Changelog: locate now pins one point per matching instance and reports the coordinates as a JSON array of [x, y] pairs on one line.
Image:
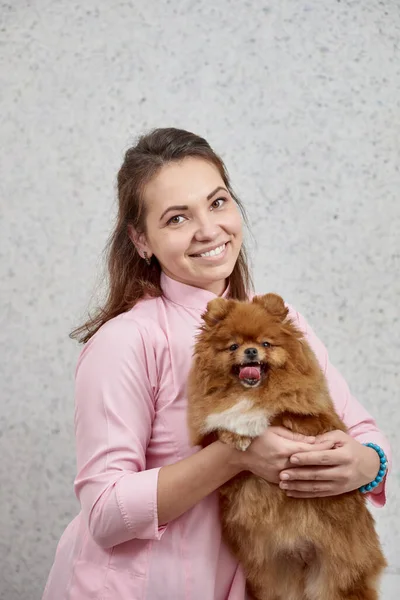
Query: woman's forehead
[[183, 182]]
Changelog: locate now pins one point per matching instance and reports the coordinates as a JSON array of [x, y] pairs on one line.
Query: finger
[[312, 448], [324, 457], [335, 436], [295, 437], [310, 487], [310, 474], [324, 494]]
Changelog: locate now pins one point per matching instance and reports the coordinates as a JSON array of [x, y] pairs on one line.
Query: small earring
[[147, 259]]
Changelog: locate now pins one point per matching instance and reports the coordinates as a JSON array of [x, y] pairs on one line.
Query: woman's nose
[[207, 229]]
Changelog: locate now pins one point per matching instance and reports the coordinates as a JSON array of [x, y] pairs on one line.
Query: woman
[[148, 526]]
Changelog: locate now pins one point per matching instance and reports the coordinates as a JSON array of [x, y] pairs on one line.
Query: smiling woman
[[194, 233], [179, 215], [149, 521]]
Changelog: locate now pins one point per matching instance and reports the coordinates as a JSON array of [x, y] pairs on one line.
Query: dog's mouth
[[250, 373]]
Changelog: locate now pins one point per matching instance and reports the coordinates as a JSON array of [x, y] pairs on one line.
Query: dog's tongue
[[249, 373]]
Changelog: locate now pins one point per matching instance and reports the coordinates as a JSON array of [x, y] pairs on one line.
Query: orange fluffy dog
[[252, 368]]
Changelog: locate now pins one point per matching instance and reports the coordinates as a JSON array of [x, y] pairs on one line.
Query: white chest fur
[[241, 418]]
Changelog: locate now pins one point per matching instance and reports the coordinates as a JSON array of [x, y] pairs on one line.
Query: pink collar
[[187, 295]]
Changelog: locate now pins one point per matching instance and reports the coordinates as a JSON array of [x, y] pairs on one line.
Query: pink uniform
[[130, 420]]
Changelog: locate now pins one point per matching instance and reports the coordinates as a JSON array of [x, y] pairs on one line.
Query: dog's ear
[[273, 304], [217, 310]]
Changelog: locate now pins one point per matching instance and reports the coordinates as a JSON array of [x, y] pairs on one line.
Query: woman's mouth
[[214, 254]]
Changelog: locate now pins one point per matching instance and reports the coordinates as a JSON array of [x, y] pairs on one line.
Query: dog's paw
[[240, 442]]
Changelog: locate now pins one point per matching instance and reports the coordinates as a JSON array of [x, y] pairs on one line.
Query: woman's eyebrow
[[185, 207], [217, 189]]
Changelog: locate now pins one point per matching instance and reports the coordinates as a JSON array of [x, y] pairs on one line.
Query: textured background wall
[[302, 100]]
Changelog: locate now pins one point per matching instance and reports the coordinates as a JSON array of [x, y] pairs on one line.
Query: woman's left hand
[[346, 467]]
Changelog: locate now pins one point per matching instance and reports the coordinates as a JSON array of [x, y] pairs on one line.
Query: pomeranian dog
[[253, 368]]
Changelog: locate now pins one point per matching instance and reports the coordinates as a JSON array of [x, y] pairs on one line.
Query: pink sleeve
[[361, 426], [114, 408]]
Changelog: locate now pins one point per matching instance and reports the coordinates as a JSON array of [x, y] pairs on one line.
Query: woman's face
[[194, 227]]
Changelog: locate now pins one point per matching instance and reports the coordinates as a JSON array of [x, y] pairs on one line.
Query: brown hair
[[129, 277]]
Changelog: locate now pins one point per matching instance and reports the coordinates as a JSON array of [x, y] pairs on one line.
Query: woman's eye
[[234, 347], [215, 204], [266, 345], [173, 220], [218, 202]]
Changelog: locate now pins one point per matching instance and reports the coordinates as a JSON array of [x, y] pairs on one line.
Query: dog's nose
[[251, 352]]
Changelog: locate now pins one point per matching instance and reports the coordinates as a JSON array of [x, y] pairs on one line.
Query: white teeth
[[214, 252]]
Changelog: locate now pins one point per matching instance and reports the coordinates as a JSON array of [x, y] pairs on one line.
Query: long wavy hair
[[129, 277]]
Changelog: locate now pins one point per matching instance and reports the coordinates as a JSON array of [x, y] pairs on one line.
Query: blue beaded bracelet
[[382, 469]]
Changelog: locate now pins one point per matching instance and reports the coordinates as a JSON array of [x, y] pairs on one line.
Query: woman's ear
[[139, 241]]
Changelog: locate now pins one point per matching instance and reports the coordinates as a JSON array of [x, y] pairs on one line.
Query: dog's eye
[[234, 347], [266, 345]]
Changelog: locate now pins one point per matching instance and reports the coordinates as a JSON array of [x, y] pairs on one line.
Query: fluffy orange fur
[[271, 533]]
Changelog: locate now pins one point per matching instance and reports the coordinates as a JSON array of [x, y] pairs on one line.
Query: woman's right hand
[[269, 453]]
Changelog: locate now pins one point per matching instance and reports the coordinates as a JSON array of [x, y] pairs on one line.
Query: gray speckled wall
[[302, 100]]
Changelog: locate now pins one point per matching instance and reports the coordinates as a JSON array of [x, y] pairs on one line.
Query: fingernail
[[294, 459], [311, 438], [285, 476], [284, 486]]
